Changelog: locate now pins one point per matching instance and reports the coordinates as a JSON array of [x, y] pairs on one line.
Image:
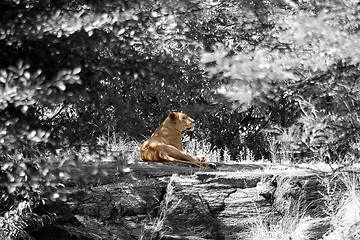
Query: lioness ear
[[172, 116]]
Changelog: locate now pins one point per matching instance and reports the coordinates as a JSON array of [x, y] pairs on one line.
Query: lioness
[[165, 144]]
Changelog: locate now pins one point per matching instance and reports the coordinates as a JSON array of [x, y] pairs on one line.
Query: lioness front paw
[[212, 166]]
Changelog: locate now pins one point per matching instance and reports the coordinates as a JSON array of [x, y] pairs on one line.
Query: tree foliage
[[305, 71]]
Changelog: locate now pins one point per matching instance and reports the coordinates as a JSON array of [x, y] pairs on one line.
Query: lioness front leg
[[170, 153], [171, 159], [196, 163]]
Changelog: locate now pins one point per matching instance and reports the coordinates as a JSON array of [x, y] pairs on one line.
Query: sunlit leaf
[[121, 31], [24, 108], [32, 134], [27, 75], [76, 70], [61, 85]]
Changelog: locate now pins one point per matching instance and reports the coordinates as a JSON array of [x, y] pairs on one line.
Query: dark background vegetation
[[259, 75]]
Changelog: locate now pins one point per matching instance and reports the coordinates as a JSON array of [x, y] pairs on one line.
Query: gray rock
[[171, 202]]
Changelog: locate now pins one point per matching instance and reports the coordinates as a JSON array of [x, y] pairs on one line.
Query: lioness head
[[182, 121]]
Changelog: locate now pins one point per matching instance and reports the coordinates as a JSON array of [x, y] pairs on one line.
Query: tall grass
[[125, 148], [342, 205], [246, 155], [156, 228], [346, 220], [196, 147], [289, 227], [292, 225]]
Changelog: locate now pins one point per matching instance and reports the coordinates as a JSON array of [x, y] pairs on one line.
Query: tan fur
[[165, 144]]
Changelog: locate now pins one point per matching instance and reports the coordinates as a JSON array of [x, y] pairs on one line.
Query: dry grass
[[342, 222], [346, 220], [121, 147], [293, 225], [167, 206], [196, 147], [289, 227]]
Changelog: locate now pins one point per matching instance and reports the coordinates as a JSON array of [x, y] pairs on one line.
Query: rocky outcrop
[[228, 204], [168, 201]]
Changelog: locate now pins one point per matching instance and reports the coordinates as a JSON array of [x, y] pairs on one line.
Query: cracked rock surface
[[169, 201]]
